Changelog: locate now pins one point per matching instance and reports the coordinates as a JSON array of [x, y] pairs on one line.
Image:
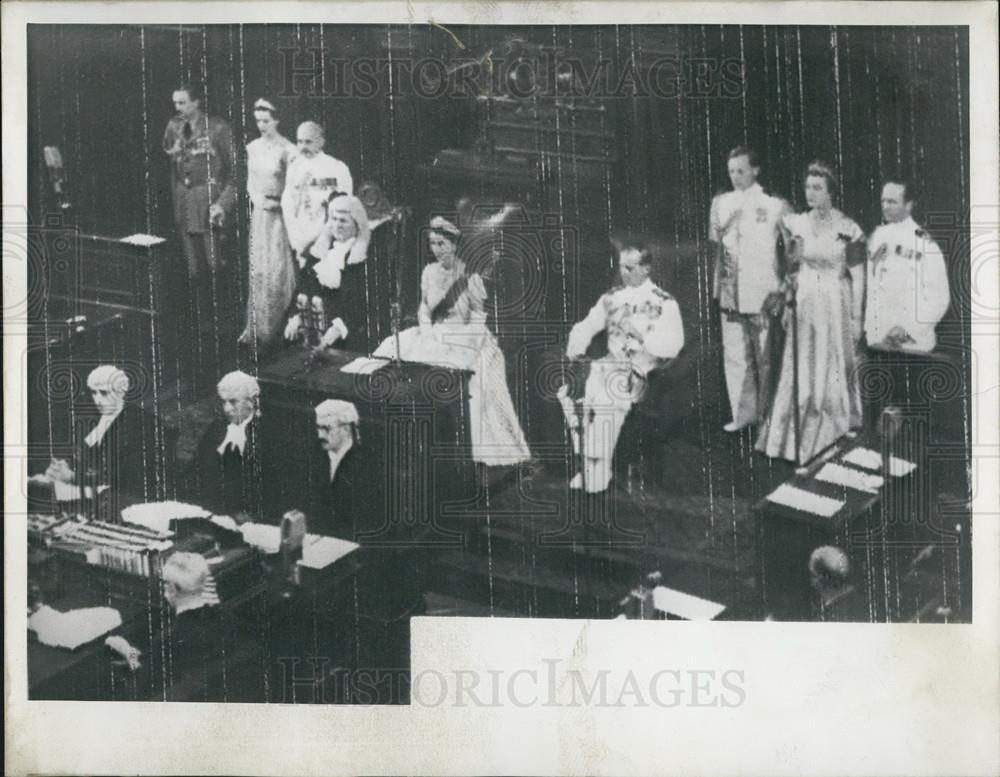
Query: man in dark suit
[[229, 476], [344, 490]]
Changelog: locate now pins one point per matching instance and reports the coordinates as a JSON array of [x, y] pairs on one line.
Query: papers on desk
[[158, 515], [74, 628], [866, 458], [263, 536], [364, 365], [140, 239], [806, 501], [686, 606], [319, 552], [850, 478]]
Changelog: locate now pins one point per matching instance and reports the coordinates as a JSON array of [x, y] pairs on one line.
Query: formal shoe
[[732, 426], [577, 482]]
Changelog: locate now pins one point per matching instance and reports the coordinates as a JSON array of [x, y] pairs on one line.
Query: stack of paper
[[364, 366], [263, 536], [74, 628], [840, 475], [808, 502], [869, 459], [319, 552], [158, 515], [140, 239], [686, 606]]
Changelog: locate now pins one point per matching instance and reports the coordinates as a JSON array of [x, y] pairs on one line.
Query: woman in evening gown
[[272, 274], [826, 250], [452, 332]]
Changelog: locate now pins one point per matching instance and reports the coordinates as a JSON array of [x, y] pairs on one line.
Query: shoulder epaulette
[[921, 232], [661, 293]]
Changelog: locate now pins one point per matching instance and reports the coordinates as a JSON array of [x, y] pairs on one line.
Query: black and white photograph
[[333, 331]]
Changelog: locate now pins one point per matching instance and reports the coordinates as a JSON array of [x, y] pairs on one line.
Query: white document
[[840, 475], [796, 498], [140, 239], [869, 459], [74, 628], [319, 552], [158, 515], [686, 606], [364, 365]]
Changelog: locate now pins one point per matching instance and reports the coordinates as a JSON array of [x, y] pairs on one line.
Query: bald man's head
[[310, 138]]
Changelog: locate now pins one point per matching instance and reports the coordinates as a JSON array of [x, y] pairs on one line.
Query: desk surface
[[396, 383], [855, 502]]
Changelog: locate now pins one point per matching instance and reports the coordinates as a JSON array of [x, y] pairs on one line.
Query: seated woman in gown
[[452, 332]]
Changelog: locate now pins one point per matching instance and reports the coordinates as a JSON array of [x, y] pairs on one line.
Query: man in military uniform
[[745, 227], [644, 329], [200, 148], [313, 179], [908, 281]]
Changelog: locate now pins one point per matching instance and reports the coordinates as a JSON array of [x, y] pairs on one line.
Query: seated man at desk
[[644, 329], [118, 453], [190, 642], [331, 299], [343, 491], [229, 474]]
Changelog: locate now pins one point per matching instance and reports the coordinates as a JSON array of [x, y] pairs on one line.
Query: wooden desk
[[414, 437], [787, 536]]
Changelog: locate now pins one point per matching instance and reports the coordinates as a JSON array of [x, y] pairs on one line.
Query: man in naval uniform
[[313, 178], [745, 228], [200, 148], [907, 278], [644, 329]]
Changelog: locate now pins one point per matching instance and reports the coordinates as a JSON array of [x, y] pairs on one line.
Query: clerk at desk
[[344, 492], [230, 480], [117, 453]]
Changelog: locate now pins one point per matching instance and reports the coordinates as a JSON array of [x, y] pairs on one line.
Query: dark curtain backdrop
[[869, 100]]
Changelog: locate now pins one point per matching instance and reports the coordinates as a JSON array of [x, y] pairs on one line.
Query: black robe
[[129, 459], [351, 507], [231, 482]]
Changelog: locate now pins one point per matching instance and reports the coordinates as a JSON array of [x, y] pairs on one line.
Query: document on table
[[364, 365], [869, 459], [74, 628], [319, 551], [808, 502], [686, 606], [140, 239], [840, 475]]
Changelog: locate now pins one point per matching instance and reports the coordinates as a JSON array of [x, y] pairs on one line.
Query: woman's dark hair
[[263, 104], [819, 169]]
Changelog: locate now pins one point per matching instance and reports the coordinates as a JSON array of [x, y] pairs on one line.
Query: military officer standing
[[908, 281], [644, 329], [744, 226], [201, 172]]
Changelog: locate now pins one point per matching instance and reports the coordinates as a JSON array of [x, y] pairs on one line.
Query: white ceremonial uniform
[[746, 273], [308, 185], [908, 287], [644, 329]]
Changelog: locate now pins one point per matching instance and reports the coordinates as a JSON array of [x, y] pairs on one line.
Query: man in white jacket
[[745, 228], [644, 329], [907, 278]]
